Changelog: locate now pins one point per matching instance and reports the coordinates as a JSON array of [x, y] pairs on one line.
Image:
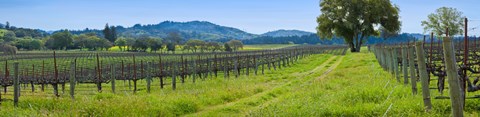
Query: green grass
[[358, 87], [188, 98], [355, 86]]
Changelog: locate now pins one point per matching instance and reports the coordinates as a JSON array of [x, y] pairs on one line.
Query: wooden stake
[[16, 84], [174, 77], [72, 79], [194, 74], [453, 79], [413, 76], [134, 75], [55, 82], [149, 78], [422, 68], [112, 77], [405, 65], [99, 75]]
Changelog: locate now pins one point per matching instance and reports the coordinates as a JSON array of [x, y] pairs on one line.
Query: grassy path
[[357, 87], [266, 97]]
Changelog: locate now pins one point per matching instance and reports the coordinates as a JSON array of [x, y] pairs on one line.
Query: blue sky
[[254, 16]]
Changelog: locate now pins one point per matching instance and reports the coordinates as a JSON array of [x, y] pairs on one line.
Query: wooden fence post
[[405, 65], [134, 75], [210, 67], [33, 77], [43, 76], [263, 63], [395, 63], [149, 78], [16, 86], [255, 63], [422, 70], [194, 74], [385, 59], [72, 79], [215, 70], [453, 79], [99, 75], [55, 82], [382, 57], [174, 77], [235, 68], [389, 60], [413, 76], [224, 65], [160, 71], [247, 66], [182, 69], [113, 74]]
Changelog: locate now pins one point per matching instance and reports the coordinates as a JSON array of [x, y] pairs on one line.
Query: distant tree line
[[306, 39], [93, 41], [314, 39]]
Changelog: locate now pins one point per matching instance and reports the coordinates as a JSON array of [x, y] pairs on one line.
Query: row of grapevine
[[454, 59], [43, 69]]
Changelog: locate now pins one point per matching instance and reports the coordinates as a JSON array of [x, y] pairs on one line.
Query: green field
[[319, 85]]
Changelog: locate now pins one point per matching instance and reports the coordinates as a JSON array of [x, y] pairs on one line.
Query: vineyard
[[438, 61], [36, 71]]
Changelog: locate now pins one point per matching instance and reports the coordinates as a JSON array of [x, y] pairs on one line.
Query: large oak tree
[[355, 20]]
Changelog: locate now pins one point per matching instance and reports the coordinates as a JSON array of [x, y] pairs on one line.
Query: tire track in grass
[[324, 74], [266, 96], [330, 69]]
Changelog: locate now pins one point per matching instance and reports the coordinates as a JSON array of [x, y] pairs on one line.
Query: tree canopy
[[91, 42], [235, 44], [121, 42], [213, 46], [60, 40], [155, 44], [444, 17], [227, 47], [194, 44], [110, 33], [354, 20], [174, 38], [29, 44]]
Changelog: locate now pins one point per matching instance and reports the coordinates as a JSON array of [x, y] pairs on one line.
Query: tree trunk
[[357, 44], [355, 48], [352, 47]]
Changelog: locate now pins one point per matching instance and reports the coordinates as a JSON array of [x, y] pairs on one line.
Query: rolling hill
[[194, 30], [286, 33], [189, 30]]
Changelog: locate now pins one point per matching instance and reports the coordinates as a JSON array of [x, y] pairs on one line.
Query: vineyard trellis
[[439, 58], [71, 68]]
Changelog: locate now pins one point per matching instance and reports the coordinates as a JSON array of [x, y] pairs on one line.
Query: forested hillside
[[189, 30]]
